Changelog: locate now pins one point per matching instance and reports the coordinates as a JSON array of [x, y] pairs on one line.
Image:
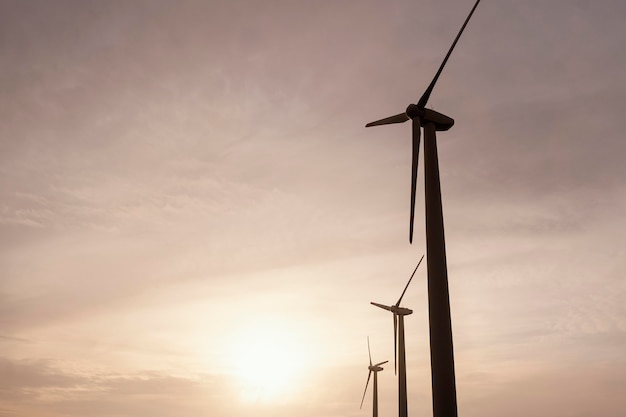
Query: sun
[[269, 361]]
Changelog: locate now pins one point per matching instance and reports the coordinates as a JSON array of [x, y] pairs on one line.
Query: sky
[[194, 220]]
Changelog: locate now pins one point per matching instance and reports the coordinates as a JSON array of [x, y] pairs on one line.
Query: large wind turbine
[[398, 341], [373, 369], [441, 350]]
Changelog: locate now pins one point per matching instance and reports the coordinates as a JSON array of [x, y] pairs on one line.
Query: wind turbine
[[398, 344], [441, 350], [373, 369], [423, 117]]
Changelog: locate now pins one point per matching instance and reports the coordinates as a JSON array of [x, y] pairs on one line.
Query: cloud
[[162, 164], [51, 388], [586, 389]]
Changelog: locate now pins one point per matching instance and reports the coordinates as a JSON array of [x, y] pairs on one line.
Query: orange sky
[[194, 220]]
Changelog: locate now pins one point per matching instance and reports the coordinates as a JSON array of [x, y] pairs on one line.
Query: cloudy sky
[[193, 218]]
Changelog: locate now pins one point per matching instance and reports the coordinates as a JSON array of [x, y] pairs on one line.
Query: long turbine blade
[[395, 343], [407, 284], [424, 99], [416, 153], [384, 307], [398, 118], [381, 363], [369, 352], [366, 384]]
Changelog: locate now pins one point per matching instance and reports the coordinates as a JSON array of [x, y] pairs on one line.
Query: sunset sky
[[194, 219]]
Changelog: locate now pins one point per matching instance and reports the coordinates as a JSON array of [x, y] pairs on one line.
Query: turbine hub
[[413, 111]]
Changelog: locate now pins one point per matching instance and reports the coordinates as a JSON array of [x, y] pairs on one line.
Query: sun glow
[[269, 361]]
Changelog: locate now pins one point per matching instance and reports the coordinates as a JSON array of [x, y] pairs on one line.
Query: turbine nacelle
[[395, 309], [376, 367], [441, 121], [402, 311]]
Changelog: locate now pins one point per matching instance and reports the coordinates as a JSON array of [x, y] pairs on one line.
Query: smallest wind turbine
[[398, 344], [373, 369]]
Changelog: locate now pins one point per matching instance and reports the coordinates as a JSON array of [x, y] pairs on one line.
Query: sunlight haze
[[194, 218]]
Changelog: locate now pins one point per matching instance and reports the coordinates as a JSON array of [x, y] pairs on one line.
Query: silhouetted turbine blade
[[416, 153], [365, 391], [398, 118], [407, 284], [384, 307], [381, 363], [368, 350], [424, 99], [395, 343]]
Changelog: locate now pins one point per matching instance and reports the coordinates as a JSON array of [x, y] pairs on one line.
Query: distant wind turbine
[[372, 369], [441, 350], [398, 344]]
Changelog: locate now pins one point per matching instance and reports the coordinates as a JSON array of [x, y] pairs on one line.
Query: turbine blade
[[398, 118], [416, 153], [368, 350], [384, 307], [395, 343], [407, 284], [424, 99], [365, 391], [381, 363]]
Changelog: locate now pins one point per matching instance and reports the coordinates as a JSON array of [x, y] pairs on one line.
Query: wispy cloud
[[170, 174], [44, 387]]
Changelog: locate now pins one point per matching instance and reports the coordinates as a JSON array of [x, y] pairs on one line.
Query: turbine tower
[[372, 369], [398, 348], [441, 350]]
